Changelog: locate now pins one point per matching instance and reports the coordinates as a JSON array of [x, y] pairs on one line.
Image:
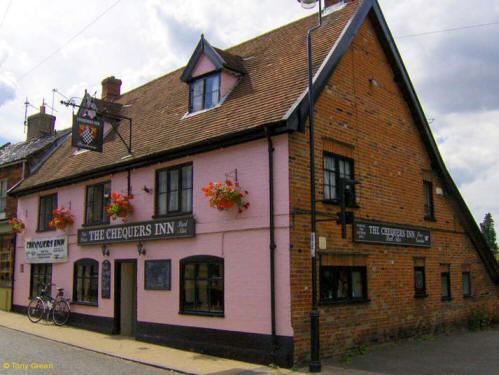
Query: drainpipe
[[272, 245]]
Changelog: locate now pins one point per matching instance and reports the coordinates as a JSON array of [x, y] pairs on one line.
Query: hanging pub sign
[[142, 231], [46, 250], [390, 234], [88, 127]]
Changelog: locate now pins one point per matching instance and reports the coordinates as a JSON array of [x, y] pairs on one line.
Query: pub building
[[215, 256]]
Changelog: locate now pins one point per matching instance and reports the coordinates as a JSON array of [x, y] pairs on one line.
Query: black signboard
[[390, 234], [141, 231], [106, 279], [157, 274], [87, 133]]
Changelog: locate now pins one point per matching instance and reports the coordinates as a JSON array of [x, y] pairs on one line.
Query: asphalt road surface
[[21, 353]]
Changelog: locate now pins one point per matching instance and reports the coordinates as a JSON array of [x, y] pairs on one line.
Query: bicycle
[[46, 305]]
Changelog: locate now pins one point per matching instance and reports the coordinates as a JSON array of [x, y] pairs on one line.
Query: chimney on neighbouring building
[[111, 88], [40, 124]]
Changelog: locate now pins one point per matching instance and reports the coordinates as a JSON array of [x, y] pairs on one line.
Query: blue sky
[[57, 45]]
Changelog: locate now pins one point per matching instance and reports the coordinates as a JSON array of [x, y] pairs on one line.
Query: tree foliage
[[489, 232]]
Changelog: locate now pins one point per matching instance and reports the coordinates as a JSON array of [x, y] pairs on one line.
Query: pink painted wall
[[241, 239], [204, 66]]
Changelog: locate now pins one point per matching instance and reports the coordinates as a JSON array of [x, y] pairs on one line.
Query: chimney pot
[[111, 87]]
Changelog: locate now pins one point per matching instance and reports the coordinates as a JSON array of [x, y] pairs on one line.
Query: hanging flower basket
[[120, 206], [225, 195], [17, 225], [61, 219]]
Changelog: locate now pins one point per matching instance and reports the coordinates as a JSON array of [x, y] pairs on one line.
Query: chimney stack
[[328, 3], [111, 88], [40, 124]]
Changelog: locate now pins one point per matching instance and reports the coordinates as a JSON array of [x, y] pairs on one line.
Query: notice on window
[[390, 234], [46, 250]]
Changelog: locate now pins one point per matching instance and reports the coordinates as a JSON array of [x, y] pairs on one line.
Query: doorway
[[125, 300]]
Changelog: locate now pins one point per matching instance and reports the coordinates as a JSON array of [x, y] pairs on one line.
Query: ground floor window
[[445, 281], [342, 283], [86, 281], [466, 284], [41, 274], [202, 285]]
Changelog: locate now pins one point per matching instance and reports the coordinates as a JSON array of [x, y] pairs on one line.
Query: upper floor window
[[48, 204], [3, 198], [174, 190], [86, 281], [335, 168], [98, 197], [204, 93], [428, 200]]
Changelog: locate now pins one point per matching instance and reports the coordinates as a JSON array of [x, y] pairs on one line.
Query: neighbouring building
[[238, 284], [17, 161]]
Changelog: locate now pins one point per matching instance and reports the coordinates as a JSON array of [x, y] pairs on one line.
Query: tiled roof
[[276, 75], [10, 153]]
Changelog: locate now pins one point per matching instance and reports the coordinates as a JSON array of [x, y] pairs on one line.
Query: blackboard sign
[[157, 274], [390, 234], [106, 280]]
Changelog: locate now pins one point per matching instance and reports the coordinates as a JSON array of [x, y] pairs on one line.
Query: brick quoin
[[372, 124]]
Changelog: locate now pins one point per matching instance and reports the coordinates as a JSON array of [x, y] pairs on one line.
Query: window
[[202, 285], [41, 274], [419, 282], [445, 280], [98, 196], [48, 204], [466, 284], [336, 167], [204, 93], [3, 198], [174, 190], [85, 283], [342, 283], [428, 200]]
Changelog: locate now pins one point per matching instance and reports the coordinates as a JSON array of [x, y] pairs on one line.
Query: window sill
[[421, 295], [82, 303], [45, 230], [95, 225], [336, 202], [447, 298], [432, 219], [344, 302], [172, 215], [203, 313]]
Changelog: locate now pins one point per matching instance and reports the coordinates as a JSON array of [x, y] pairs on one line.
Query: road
[[21, 353]]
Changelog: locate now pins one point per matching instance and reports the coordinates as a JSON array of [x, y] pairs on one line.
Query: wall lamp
[[105, 250], [140, 248]]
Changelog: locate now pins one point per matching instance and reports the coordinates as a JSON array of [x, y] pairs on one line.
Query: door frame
[[117, 294]]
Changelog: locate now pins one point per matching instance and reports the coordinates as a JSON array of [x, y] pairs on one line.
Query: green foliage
[[346, 357], [349, 354], [489, 232], [274, 366], [478, 319]]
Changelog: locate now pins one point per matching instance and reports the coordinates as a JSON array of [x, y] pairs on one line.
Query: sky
[[53, 51]]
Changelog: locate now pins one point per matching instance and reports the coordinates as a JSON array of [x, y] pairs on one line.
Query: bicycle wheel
[[60, 313], [36, 308]]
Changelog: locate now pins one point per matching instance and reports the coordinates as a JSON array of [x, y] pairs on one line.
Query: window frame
[[157, 193], [428, 206], [447, 297], [204, 78], [35, 290], [350, 299], [201, 259], [42, 226], [420, 292], [105, 220], [468, 273], [3, 197], [85, 262], [337, 158]]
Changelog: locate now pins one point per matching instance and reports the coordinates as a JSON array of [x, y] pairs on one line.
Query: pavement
[[462, 353]]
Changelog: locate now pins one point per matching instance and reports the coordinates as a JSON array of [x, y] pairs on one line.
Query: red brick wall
[[373, 125]]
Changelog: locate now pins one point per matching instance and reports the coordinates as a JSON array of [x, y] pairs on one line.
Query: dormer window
[[204, 92]]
